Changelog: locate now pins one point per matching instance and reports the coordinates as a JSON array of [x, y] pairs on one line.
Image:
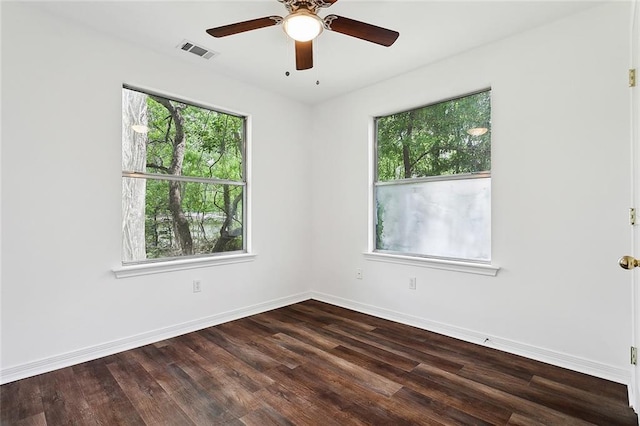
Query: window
[[183, 179], [432, 186]]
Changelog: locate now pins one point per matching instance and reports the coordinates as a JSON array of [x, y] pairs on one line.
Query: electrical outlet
[[196, 286], [412, 283], [359, 273]]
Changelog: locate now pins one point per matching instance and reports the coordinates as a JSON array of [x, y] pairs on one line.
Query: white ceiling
[[429, 31]]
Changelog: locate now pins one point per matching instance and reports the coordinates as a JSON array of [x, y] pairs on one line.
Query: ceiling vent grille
[[188, 46]]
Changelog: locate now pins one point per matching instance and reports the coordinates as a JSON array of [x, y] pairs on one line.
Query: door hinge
[[632, 77], [632, 216], [634, 355]]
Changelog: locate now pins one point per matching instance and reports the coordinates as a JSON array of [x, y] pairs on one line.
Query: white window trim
[[416, 261], [426, 262], [127, 271], [162, 265]]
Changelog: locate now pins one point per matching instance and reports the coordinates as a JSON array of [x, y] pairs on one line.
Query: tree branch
[[420, 157], [157, 167]]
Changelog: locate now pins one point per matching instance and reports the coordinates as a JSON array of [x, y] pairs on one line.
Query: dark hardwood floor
[[314, 364]]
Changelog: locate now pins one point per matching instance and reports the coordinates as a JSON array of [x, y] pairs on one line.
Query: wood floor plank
[[359, 402], [230, 366], [453, 352], [275, 351], [265, 416], [505, 362], [368, 379], [385, 369], [574, 402], [520, 420], [244, 330], [35, 420], [292, 316], [20, 400], [537, 412], [102, 392], [292, 406], [521, 389], [300, 332], [240, 350], [220, 385], [423, 407], [63, 400], [479, 409], [586, 405], [150, 400], [194, 400], [574, 379], [496, 379], [415, 356], [312, 363], [468, 401], [310, 314], [325, 398]]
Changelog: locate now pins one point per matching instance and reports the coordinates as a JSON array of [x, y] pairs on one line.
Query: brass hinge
[[632, 216], [634, 355], [632, 77]]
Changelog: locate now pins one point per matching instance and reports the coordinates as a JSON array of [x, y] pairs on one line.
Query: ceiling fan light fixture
[[477, 131], [140, 128], [302, 25]]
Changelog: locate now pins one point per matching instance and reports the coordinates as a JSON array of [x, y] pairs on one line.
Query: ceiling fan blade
[[361, 30], [304, 55], [241, 27]]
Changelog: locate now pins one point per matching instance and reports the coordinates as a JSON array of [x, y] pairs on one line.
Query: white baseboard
[[615, 374], [634, 397], [619, 375], [98, 351]]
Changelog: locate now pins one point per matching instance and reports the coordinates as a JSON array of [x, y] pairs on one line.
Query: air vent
[[188, 46]]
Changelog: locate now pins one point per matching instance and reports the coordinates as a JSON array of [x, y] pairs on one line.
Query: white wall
[[560, 191], [560, 197], [61, 166]]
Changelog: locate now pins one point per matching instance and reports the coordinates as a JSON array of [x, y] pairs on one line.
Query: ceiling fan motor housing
[[311, 5]]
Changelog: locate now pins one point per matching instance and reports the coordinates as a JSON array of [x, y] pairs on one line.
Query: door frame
[[634, 107]]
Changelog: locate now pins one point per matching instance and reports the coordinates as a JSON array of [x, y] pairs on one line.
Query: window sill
[[447, 265], [179, 265]]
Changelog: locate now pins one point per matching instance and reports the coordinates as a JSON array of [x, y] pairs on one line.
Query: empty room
[[396, 212]]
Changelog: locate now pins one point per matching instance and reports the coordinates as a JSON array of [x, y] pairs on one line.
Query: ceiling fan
[[303, 25]]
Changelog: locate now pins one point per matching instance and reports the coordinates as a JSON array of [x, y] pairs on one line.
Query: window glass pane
[[171, 137], [449, 219], [446, 138], [208, 219], [440, 157], [174, 157]]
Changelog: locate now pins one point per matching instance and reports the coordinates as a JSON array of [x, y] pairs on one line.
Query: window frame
[[414, 259], [166, 264]]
